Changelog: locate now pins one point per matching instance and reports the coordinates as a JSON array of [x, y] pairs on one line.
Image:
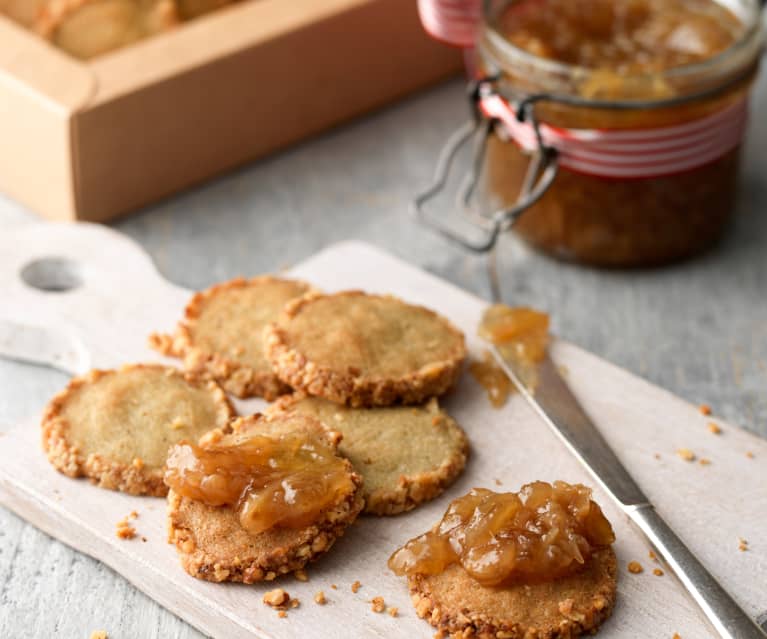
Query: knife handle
[[729, 619]]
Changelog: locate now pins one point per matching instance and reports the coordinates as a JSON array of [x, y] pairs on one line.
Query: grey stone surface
[[698, 328]]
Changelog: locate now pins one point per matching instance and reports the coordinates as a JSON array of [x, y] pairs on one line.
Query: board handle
[[724, 613]]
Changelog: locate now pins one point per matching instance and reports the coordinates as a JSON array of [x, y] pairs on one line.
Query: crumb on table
[[704, 461], [635, 567], [393, 611], [334, 586], [686, 454], [714, 428], [676, 636], [378, 604], [319, 598], [704, 409], [749, 454], [742, 544], [301, 575], [356, 586], [282, 614], [652, 556], [657, 572], [99, 634]]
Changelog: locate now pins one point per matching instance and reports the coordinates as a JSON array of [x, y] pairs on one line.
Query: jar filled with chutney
[[611, 129]]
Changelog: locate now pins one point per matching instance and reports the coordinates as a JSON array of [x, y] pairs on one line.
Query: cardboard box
[[92, 140]]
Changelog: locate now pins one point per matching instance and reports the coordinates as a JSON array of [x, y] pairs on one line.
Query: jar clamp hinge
[[541, 172]]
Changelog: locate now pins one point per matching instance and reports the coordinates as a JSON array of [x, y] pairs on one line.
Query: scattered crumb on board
[[356, 586], [124, 529], [742, 544], [635, 567], [378, 604]]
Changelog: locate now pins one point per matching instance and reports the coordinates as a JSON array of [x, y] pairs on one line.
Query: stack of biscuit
[[351, 374], [363, 370]]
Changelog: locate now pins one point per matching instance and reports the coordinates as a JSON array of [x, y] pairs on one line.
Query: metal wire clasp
[[541, 172]]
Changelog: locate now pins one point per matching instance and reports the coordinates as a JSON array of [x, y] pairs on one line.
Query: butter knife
[[555, 403]]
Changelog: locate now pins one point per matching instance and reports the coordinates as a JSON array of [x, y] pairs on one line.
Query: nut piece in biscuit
[[406, 455], [221, 334], [116, 426], [457, 605], [213, 545], [364, 350]]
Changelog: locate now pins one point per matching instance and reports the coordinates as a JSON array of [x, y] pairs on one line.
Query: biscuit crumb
[[393, 611], [704, 409], [714, 428], [138, 463], [635, 567], [124, 529], [319, 598], [498, 482], [143, 539], [99, 634], [356, 586], [676, 636], [652, 556], [742, 544], [133, 514], [686, 454], [282, 614], [704, 461], [276, 598], [378, 604], [295, 603], [301, 575], [334, 586], [749, 454], [657, 572]]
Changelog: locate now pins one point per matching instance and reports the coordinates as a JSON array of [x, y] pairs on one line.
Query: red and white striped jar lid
[[612, 153]]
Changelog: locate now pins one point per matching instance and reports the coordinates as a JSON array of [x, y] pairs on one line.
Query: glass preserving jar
[[629, 115]]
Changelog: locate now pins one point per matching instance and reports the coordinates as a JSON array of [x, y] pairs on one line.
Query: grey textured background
[[698, 328]]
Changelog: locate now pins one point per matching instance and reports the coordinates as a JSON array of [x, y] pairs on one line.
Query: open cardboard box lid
[[91, 140]]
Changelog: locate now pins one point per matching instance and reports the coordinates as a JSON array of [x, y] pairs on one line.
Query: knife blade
[[42, 346], [553, 400]]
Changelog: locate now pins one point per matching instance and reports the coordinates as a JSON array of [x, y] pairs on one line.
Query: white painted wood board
[[122, 299]]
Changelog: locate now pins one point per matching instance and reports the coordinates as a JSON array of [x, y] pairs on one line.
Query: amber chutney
[[684, 60]]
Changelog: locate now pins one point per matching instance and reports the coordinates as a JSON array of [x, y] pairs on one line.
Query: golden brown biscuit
[[115, 427], [88, 28], [406, 455], [23, 12], [213, 545], [364, 350], [458, 606], [221, 334]]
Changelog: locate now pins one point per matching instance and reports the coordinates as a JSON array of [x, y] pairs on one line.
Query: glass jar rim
[[728, 66]]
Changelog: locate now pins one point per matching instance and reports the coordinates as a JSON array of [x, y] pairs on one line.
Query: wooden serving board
[[105, 321]]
